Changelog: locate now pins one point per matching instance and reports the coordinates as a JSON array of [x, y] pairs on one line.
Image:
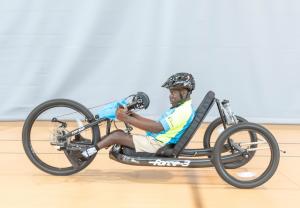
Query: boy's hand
[[131, 113], [122, 113]]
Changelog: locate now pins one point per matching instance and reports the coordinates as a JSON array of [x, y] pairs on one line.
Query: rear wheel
[[43, 127], [214, 130], [262, 166]]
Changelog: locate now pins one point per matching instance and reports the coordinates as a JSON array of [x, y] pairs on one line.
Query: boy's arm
[[139, 121], [146, 125], [137, 116]]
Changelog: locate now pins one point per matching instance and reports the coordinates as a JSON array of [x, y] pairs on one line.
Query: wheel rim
[[43, 155], [262, 166]]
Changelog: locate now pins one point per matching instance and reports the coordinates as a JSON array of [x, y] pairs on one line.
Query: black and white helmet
[[180, 80]]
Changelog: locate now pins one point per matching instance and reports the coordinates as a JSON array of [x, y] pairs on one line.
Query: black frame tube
[[115, 154], [83, 128]]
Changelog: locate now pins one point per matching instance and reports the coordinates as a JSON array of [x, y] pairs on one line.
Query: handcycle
[[231, 144]]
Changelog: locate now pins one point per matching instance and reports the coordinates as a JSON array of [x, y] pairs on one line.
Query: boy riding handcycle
[[230, 142]]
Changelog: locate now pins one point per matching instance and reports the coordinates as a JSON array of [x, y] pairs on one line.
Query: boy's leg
[[144, 143], [116, 137]]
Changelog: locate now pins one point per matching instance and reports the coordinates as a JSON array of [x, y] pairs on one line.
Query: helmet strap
[[183, 99], [181, 96]]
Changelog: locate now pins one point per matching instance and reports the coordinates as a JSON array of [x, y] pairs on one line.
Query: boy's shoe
[[88, 152], [75, 157], [80, 140], [78, 156]]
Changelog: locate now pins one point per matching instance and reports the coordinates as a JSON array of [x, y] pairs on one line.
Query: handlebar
[[138, 101]]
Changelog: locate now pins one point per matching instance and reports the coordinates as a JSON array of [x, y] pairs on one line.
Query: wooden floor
[[106, 183]]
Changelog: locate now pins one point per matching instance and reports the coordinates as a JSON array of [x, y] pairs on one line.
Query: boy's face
[[175, 95]]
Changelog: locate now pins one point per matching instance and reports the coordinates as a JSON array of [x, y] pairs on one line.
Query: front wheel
[[262, 166], [42, 131]]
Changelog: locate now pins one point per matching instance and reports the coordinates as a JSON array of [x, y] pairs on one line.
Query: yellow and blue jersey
[[175, 121]]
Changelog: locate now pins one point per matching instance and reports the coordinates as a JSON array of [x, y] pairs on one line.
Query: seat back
[[171, 150], [200, 115]]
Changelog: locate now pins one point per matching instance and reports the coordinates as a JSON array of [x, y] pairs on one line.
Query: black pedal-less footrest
[[131, 152], [166, 151]]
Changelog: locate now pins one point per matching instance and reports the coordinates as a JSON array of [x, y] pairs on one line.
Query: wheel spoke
[[256, 169], [47, 154]]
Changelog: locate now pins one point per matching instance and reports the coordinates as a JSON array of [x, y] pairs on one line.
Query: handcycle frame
[[186, 158], [237, 154]]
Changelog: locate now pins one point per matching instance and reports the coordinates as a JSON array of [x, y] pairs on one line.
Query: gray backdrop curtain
[[95, 51]]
